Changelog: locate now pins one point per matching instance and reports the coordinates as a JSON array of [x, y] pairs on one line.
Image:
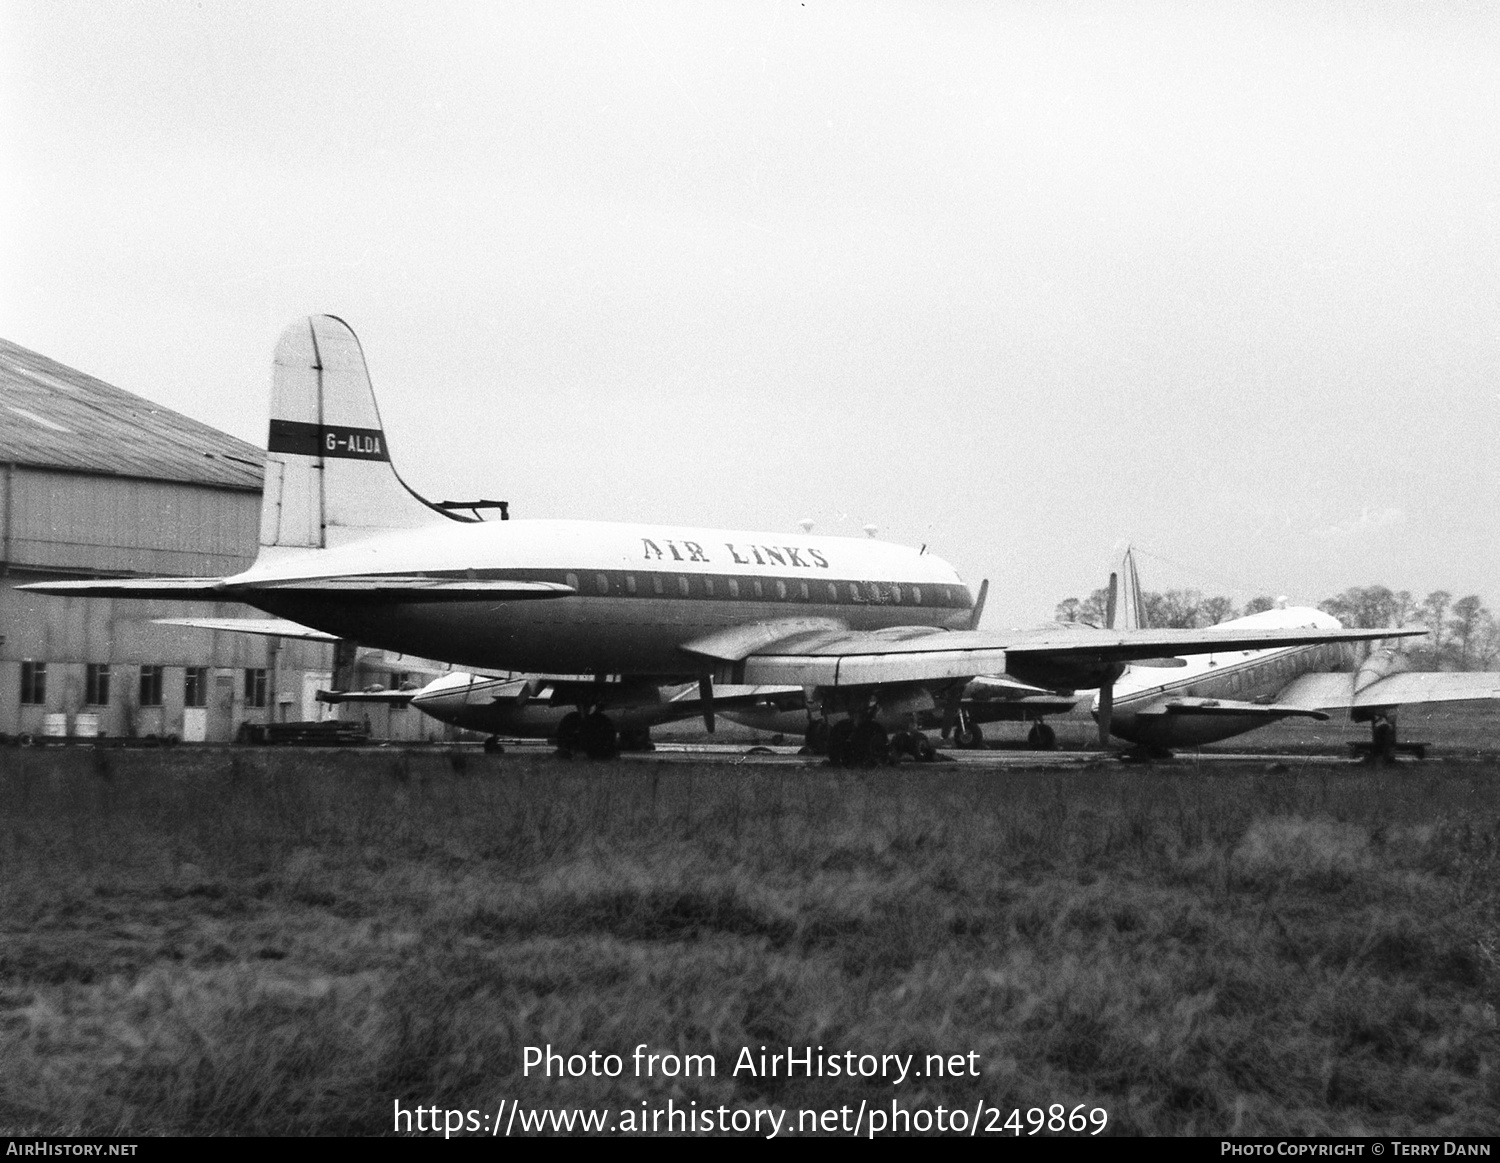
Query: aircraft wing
[[266, 627], [405, 587], [1407, 686], [1269, 712], [1055, 659]]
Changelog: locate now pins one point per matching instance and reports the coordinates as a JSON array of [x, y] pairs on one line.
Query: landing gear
[[966, 734], [913, 743], [570, 733], [1041, 738], [493, 746], [598, 735], [817, 738], [1384, 746], [858, 744]]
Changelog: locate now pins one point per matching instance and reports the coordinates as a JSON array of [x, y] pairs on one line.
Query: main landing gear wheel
[[1041, 737], [817, 738], [968, 736], [600, 740], [913, 743], [838, 743], [868, 745], [493, 746], [570, 733]]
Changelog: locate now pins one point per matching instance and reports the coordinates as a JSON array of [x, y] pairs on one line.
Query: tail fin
[[329, 477], [1127, 609]]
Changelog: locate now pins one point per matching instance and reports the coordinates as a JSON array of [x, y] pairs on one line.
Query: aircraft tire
[[839, 750], [1041, 738], [869, 745], [922, 748], [570, 732], [968, 736], [493, 746], [817, 737], [599, 737]]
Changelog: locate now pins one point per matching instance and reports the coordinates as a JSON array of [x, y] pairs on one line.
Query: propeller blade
[[1106, 710], [706, 693]]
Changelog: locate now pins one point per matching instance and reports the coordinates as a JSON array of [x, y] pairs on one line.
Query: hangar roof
[[52, 416]]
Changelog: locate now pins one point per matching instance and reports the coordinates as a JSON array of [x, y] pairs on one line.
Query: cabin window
[[833, 592], [734, 587], [151, 686], [255, 686], [802, 589], [854, 594], [33, 684], [601, 583], [708, 586], [916, 595], [682, 585], [96, 684], [656, 583], [896, 594], [781, 589], [195, 686], [756, 586], [572, 580], [630, 583]]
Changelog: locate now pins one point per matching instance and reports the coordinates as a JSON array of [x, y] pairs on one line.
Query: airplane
[[985, 699], [521, 706], [1225, 693], [876, 633]]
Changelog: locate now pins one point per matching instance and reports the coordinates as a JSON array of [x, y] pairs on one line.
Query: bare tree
[[1217, 609], [1468, 616], [1067, 610], [1260, 605]]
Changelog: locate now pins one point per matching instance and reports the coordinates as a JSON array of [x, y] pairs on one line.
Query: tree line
[[1462, 634]]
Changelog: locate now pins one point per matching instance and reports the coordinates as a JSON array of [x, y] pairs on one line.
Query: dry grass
[[264, 942]]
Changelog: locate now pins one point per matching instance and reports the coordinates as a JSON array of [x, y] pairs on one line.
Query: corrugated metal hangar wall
[[95, 480]]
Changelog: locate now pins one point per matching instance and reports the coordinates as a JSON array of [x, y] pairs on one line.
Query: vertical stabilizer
[[1127, 609], [329, 478]]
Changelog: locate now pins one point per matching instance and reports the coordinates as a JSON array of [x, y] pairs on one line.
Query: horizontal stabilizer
[[386, 698], [265, 627], [208, 589], [1268, 712]]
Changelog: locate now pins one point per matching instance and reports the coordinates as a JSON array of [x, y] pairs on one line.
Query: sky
[[1018, 282]]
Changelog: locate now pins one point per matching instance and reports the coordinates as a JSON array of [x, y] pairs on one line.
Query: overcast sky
[[1017, 281]]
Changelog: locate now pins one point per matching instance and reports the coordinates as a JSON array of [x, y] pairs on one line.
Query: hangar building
[[97, 481]]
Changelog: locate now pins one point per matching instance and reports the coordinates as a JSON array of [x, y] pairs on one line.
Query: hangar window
[[255, 686], [33, 684], [151, 686], [96, 684], [195, 686]]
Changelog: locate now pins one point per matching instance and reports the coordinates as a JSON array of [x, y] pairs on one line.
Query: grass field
[[289, 942]]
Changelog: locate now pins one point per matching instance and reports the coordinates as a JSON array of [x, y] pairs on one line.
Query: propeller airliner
[[876, 633]]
